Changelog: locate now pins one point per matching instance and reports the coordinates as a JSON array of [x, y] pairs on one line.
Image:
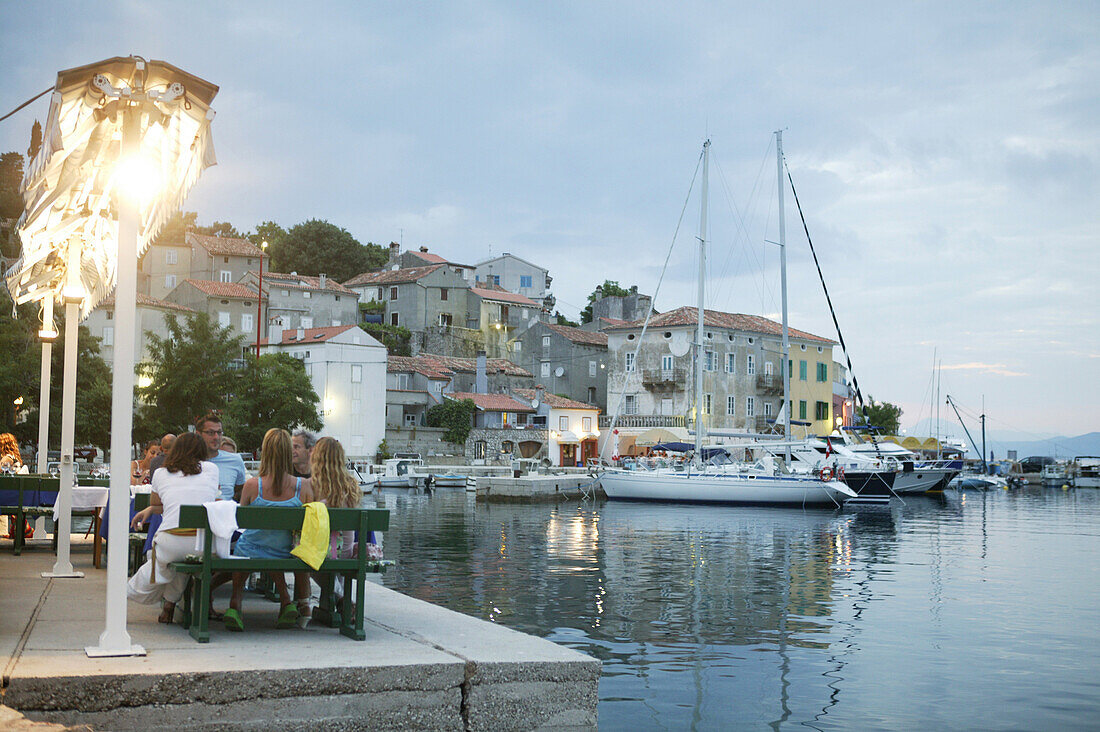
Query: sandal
[[233, 620], [216, 616], [288, 617]]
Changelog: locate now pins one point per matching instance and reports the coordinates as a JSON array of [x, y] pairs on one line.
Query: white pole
[[115, 640], [44, 387], [73, 294], [783, 279], [702, 297]]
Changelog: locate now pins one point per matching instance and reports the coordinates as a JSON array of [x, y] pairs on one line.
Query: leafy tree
[[884, 415], [394, 337], [190, 372], [270, 232], [456, 415], [560, 319], [220, 228], [274, 391], [11, 203], [316, 246], [176, 227], [19, 361], [610, 288]]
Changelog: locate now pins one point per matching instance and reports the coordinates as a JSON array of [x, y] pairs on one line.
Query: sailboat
[[765, 482]]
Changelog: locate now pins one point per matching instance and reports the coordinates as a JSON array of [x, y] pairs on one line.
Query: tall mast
[[785, 366], [702, 293]]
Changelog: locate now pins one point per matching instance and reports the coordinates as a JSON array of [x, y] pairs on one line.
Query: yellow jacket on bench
[[313, 544]]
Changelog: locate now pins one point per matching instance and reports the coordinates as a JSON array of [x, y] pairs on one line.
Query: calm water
[[972, 611]]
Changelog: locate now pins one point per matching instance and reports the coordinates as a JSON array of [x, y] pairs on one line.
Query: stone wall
[[428, 441], [494, 438]]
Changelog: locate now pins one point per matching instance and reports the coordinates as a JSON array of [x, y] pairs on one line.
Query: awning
[[661, 434]]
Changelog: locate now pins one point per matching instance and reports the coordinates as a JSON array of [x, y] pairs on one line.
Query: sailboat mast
[[785, 366], [702, 294]]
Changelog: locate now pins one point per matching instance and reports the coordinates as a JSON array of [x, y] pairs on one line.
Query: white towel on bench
[[222, 517]]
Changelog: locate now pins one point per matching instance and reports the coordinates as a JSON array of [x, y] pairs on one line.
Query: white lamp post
[[47, 334]]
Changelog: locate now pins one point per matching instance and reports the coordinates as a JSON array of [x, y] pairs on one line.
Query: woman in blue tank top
[[274, 486]]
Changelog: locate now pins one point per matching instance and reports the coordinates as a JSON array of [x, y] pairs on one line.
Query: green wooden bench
[[21, 497], [348, 617]]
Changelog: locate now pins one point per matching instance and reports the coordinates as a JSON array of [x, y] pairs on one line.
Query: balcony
[[664, 378], [771, 384], [644, 420]]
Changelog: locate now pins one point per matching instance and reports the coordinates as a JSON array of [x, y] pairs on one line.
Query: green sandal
[[288, 617], [233, 621]]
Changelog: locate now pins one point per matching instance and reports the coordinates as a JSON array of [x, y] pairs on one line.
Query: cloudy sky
[[946, 156]]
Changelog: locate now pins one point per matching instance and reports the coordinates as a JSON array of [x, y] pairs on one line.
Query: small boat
[[404, 470], [977, 482], [449, 480], [1086, 471], [1054, 475]]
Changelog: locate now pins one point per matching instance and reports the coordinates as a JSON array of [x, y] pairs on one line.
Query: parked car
[[1035, 463]]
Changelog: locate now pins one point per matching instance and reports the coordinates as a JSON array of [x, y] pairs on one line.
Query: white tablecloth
[[85, 498]]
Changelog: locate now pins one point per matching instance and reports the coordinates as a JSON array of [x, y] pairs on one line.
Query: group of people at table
[[195, 469]]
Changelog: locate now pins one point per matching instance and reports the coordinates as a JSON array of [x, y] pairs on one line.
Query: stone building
[[501, 317], [230, 304], [423, 258], [516, 275], [300, 301], [623, 308], [742, 375], [150, 314], [572, 426], [415, 297], [166, 264], [566, 360]]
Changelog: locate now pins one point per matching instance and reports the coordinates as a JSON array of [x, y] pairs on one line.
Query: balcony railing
[[769, 383], [664, 377], [644, 420]]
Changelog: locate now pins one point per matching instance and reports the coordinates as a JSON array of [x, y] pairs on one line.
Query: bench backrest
[[290, 519], [28, 490]]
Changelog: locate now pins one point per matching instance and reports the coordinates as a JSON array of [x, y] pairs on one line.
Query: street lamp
[[260, 299]]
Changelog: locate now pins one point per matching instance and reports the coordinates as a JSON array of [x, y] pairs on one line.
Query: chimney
[[323, 278], [481, 381], [395, 250], [275, 331], [540, 394], [424, 250], [633, 289]]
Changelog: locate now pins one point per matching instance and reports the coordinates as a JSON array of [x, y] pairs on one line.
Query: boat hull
[[920, 480], [448, 481], [640, 485]]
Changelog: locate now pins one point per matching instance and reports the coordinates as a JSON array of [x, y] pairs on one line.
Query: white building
[[573, 426], [348, 371]]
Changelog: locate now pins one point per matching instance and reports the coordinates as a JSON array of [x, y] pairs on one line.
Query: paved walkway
[[421, 666]]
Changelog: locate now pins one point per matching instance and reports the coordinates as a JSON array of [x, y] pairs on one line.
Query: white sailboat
[[764, 482]]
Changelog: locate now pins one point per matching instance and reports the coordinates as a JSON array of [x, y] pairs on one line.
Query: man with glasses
[[231, 473]]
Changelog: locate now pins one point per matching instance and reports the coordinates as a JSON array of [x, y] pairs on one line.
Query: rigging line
[[649, 311], [36, 96]]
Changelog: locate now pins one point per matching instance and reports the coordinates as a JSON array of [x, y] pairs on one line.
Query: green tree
[[316, 247], [560, 319], [883, 415], [190, 372], [394, 337], [456, 415], [610, 288], [11, 202], [270, 232], [274, 391], [220, 228], [176, 227]]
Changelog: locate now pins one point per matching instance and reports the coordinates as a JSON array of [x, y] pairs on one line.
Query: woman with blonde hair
[[11, 460], [274, 486]]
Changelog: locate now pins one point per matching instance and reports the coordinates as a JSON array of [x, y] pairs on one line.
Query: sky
[[946, 156]]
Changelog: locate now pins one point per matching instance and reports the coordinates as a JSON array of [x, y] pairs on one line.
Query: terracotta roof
[[469, 365], [311, 335], [503, 296], [492, 402], [146, 301], [717, 319], [429, 257], [413, 364], [224, 246], [391, 276], [223, 289], [614, 321], [306, 282], [576, 335], [554, 400]]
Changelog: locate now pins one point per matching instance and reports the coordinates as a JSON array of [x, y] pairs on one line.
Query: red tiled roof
[[492, 402], [469, 365], [554, 400], [306, 282], [310, 335], [716, 319], [146, 301], [414, 364], [503, 296], [225, 246], [391, 276], [428, 257], [223, 289], [614, 321], [576, 335]]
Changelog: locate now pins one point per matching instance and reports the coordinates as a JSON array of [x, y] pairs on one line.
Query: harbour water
[[964, 611]]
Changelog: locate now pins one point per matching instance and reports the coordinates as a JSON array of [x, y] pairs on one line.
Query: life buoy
[[825, 474]]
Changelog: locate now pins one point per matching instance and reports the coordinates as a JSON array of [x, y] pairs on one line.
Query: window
[[225, 276], [108, 335], [710, 361], [629, 362], [769, 368], [246, 322], [250, 261], [443, 293], [306, 322], [393, 293], [356, 373], [336, 322], [802, 409], [767, 409], [495, 279], [525, 280], [110, 315], [563, 423], [750, 406], [402, 381], [666, 363], [393, 319], [750, 365], [630, 404], [544, 369], [801, 370], [731, 405], [306, 294], [586, 424], [169, 282], [479, 450], [525, 313], [445, 319], [666, 405], [592, 368], [224, 319], [708, 401], [546, 341], [171, 257], [226, 259], [591, 395], [518, 346], [731, 361], [381, 294], [821, 410], [822, 371]]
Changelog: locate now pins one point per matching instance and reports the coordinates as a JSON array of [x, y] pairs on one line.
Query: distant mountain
[[1000, 442]]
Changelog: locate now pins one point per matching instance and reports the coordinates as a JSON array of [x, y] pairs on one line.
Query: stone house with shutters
[[501, 317], [565, 360], [517, 275], [415, 297], [423, 258], [230, 304], [198, 257], [150, 315], [302, 301]]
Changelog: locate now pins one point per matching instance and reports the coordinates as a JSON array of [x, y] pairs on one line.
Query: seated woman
[[187, 479], [11, 460], [139, 469], [274, 486]]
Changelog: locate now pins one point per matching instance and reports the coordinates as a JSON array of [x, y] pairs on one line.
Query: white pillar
[[44, 387], [115, 640], [73, 294]]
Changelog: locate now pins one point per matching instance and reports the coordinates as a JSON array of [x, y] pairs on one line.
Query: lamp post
[[48, 334], [260, 299]]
